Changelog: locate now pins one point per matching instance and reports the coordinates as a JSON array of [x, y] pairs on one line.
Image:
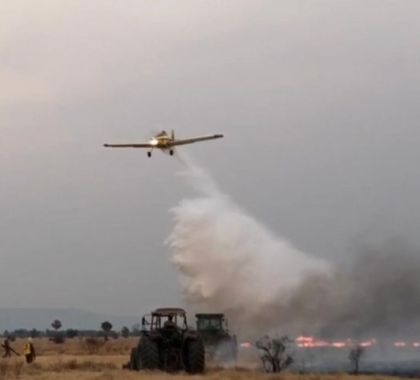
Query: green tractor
[[166, 343], [220, 345]]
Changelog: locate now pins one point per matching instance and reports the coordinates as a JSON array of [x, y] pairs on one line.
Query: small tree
[[125, 332], [58, 336], [274, 353], [106, 327], [56, 325], [355, 355]]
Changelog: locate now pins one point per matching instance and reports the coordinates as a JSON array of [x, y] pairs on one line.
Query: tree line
[[58, 334]]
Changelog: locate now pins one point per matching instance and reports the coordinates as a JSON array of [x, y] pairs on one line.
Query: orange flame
[[312, 342]]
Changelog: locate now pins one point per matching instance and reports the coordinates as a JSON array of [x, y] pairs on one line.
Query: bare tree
[[355, 355], [274, 355]]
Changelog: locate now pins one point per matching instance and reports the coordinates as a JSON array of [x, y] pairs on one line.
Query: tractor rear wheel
[[195, 361], [148, 353], [133, 364]]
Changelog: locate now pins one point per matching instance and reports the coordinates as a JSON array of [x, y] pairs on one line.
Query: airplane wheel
[[171, 152], [149, 154]]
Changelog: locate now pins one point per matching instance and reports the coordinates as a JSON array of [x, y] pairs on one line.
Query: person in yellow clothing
[[29, 351]]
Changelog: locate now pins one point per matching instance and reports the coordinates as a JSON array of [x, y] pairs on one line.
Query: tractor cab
[[220, 344], [165, 318], [210, 324]]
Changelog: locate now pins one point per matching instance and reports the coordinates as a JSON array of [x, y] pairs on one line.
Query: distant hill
[[29, 318]]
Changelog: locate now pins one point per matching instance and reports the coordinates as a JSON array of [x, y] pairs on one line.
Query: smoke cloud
[[377, 295], [232, 263]]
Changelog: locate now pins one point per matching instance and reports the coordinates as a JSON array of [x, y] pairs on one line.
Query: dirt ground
[[78, 359]]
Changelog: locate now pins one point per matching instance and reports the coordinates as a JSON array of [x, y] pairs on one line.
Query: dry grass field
[[75, 360]]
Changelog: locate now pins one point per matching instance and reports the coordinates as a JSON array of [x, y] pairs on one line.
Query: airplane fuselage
[[161, 142]]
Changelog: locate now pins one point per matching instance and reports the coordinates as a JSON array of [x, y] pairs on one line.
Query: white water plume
[[230, 262]]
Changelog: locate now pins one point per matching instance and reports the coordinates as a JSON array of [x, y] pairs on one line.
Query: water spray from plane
[[230, 262]]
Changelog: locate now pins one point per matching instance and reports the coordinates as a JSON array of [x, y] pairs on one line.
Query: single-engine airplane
[[164, 142]]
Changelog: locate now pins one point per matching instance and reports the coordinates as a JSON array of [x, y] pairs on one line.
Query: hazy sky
[[318, 101]]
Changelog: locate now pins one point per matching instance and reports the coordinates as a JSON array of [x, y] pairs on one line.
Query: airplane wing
[[196, 139], [128, 145]]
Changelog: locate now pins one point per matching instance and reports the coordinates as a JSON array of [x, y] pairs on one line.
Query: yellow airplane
[[164, 142]]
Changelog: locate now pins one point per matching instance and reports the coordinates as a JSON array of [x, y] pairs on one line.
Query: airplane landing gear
[[171, 152], [149, 154]]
